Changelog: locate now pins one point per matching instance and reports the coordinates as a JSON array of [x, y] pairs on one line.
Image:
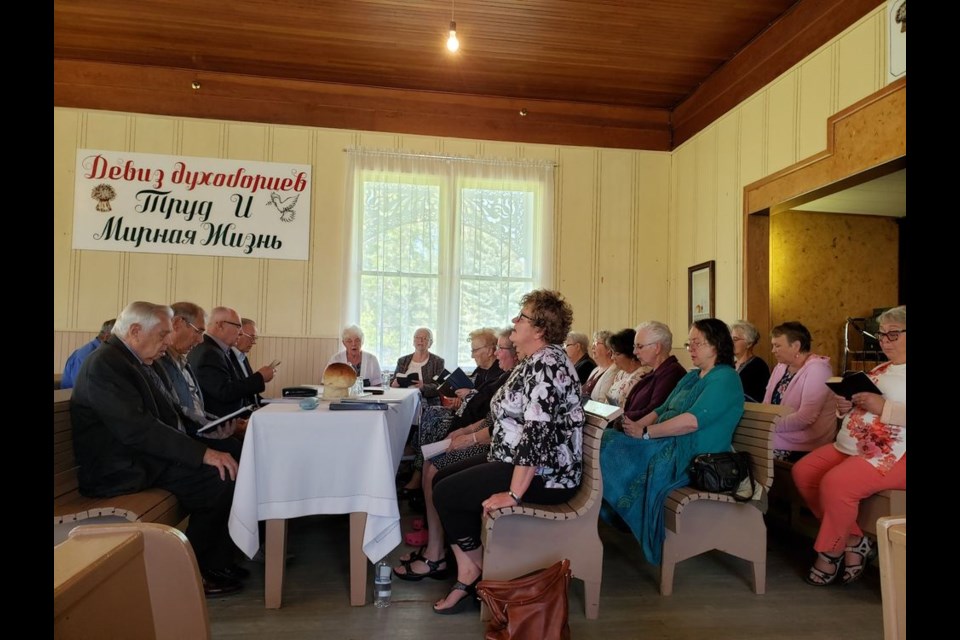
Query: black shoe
[[233, 572], [215, 584]]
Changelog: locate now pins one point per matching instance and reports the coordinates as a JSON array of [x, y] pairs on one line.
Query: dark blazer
[[224, 387], [584, 367], [754, 376], [431, 367], [177, 382], [652, 390], [124, 432], [248, 371]]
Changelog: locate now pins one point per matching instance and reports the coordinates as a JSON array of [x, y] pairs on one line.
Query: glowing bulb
[[452, 43]]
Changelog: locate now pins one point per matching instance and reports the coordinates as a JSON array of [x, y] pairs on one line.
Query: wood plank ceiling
[[591, 72]]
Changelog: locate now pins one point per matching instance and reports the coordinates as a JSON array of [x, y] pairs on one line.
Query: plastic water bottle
[[381, 584]]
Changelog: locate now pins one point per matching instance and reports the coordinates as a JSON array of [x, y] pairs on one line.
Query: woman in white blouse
[[629, 367], [869, 455], [364, 363]]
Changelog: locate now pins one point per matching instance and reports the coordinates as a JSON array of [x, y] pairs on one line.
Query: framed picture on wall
[[700, 288]]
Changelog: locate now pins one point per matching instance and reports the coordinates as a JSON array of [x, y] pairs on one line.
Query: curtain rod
[[440, 156]]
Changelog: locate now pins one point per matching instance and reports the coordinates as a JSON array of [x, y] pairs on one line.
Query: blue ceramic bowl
[[309, 403]]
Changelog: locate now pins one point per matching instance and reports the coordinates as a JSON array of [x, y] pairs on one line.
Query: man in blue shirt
[[76, 358]]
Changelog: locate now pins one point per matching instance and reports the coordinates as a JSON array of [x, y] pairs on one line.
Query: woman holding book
[[467, 439], [869, 455], [536, 451], [423, 363], [799, 382]]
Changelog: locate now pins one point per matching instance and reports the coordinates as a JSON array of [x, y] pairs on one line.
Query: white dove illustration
[[285, 207]]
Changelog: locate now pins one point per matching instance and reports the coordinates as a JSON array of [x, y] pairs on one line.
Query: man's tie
[[162, 393]]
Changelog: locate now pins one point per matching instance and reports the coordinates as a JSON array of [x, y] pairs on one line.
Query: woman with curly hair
[[536, 448]]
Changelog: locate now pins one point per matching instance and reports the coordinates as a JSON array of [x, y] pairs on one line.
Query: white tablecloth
[[297, 463]]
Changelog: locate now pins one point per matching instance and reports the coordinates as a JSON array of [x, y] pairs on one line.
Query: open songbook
[[852, 382], [456, 380], [213, 424], [608, 412], [405, 380]]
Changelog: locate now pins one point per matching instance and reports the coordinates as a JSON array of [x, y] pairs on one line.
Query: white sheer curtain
[[443, 242]]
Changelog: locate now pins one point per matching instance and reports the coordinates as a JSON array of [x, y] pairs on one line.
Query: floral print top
[[864, 434], [538, 419]]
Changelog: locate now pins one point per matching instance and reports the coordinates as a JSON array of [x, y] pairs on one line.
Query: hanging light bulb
[[453, 44]]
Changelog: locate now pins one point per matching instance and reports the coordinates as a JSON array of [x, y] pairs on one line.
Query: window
[[451, 244]]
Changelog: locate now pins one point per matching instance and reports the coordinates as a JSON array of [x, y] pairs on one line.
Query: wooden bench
[[514, 546], [699, 521], [799, 518], [69, 506]]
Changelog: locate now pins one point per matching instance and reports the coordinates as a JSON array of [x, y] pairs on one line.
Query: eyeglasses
[[511, 349], [637, 347], [693, 346], [522, 315], [195, 327], [890, 336], [571, 344], [235, 324], [736, 338], [247, 335]]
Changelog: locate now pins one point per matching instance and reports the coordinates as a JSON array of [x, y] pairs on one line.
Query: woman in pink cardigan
[[798, 381]]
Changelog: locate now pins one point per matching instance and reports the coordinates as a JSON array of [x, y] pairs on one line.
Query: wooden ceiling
[[595, 72]]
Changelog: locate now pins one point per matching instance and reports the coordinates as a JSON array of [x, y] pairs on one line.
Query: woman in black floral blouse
[[536, 448]]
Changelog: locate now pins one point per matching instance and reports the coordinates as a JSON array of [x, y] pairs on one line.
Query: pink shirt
[[813, 422]]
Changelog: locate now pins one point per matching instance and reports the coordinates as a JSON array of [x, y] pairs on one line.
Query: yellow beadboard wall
[[628, 223], [826, 267], [780, 125]]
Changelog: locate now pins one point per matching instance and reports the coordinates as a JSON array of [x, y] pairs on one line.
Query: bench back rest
[[591, 485], [754, 435], [64, 462]]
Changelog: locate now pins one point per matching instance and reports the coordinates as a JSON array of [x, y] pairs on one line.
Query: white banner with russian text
[[151, 203]]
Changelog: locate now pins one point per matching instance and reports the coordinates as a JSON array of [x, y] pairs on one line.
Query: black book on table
[[853, 382]]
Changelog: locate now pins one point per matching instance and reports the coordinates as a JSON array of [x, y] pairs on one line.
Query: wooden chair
[[892, 541], [128, 580], [519, 540], [699, 521]]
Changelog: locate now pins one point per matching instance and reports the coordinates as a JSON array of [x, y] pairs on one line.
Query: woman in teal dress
[[649, 459]]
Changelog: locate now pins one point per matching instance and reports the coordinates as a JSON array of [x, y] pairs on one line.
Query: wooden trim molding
[[808, 25], [223, 96], [867, 137]]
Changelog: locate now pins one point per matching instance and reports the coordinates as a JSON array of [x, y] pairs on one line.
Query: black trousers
[[460, 489], [207, 499]]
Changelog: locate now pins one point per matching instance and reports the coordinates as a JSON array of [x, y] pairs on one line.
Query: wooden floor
[[711, 600]]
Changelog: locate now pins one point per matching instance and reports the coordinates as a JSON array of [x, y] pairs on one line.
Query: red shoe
[[417, 538]]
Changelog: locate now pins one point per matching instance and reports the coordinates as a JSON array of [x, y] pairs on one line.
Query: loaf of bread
[[337, 380]]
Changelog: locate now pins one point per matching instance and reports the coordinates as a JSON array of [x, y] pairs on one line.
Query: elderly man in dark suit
[[226, 387], [129, 435], [189, 322]]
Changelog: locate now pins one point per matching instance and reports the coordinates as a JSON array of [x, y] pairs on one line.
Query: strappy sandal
[[436, 572], [414, 556], [819, 577], [865, 550], [466, 602]]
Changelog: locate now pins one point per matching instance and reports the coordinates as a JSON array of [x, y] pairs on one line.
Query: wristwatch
[[645, 435], [515, 497]]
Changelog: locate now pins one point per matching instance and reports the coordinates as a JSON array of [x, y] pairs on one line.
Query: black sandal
[[852, 572], [414, 556], [466, 602], [435, 571], [819, 577]]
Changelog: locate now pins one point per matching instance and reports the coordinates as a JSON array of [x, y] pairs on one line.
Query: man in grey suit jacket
[[129, 435]]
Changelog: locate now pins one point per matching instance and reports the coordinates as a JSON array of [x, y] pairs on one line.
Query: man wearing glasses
[[223, 381], [248, 338]]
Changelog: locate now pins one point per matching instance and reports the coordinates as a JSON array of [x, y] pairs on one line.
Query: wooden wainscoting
[[65, 343]]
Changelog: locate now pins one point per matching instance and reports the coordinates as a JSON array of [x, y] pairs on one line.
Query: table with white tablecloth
[[298, 462]]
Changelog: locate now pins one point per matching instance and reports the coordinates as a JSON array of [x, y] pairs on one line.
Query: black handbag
[[727, 473]]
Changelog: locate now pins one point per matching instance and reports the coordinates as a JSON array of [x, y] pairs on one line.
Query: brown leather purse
[[531, 607]]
